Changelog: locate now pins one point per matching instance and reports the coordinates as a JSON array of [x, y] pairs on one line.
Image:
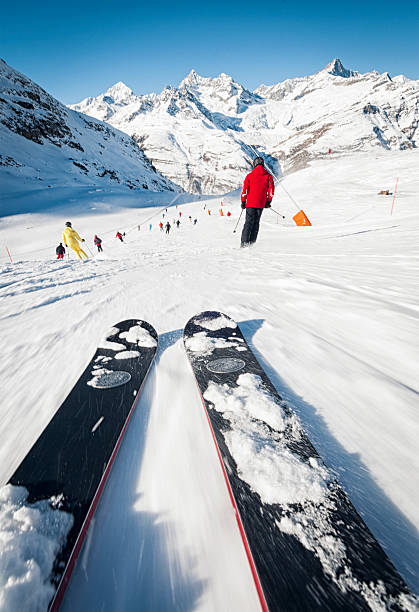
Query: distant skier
[[209, 212], [190, 218], [195, 221], [119, 235], [228, 213], [98, 243], [60, 250], [177, 223], [71, 239], [180, 213], [161, 226], [257, 194], [150, 226], [168, 226]]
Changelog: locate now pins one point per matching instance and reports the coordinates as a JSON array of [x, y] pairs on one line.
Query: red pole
[[9, 254], [394, 196]]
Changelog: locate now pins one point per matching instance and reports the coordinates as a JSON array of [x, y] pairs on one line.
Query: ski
[[308, 548], [68, 466]]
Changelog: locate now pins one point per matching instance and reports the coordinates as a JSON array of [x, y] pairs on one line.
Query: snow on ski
[[58, 485], [307, 546]]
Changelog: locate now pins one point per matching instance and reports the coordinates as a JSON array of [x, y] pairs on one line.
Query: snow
[[273, 472], [46, 146], [264, 460], [139, 335], [204, 133], [111, 332], [331, 312], [111, 346], [127, 355], [204, 345], [246, 402], [105, 379], [216, 323], [30, 537]]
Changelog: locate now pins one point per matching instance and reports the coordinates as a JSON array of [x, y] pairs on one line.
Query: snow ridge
[[204, 133], [45, 144]]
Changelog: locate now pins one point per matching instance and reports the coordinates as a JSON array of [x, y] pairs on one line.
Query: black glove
[[268, 204], [243, 205]]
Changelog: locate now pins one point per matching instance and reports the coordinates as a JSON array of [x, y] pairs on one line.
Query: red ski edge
[[65, 579], [253, 569]]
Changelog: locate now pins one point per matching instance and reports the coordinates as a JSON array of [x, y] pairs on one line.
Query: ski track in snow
[[332, 313]]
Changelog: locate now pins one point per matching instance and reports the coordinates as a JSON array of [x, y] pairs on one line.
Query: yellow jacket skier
[[71, 238]]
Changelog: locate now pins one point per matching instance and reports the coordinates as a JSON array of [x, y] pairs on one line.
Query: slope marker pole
[[394, 196], [8, 252]]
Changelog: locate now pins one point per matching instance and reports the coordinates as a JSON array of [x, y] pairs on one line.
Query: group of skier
[[71, 240], [257, 193]]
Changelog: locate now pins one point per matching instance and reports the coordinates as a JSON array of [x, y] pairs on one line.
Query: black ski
[[308, 549], [72, 458]]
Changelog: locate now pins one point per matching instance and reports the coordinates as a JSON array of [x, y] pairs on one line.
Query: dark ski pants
[[99, 248], [251, 226]]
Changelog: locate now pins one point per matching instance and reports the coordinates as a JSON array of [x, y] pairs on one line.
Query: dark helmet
[[68, 223], [258, 161]]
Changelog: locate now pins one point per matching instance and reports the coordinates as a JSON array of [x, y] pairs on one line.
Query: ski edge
[[55, 603], [249, 556]]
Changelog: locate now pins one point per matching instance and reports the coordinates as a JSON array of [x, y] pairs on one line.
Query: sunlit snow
[[331, 312]]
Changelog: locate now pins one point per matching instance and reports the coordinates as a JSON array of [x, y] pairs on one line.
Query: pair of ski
[[307, 550]]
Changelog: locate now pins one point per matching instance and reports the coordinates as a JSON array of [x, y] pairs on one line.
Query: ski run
[[331, 313]]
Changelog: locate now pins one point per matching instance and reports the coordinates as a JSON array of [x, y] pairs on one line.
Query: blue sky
[[77, 49]]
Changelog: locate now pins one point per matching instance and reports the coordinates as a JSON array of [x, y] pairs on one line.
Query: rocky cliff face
[[43, 140], [204, 133]]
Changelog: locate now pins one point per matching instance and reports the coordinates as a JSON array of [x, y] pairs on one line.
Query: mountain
[[192, 132], [43, 140], [204, 133]]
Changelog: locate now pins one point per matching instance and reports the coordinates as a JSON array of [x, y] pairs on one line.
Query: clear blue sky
[[77, 49]]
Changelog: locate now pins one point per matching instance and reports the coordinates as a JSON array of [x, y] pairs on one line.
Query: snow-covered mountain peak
[[119, 92], [221, 94], [203, 133], [192, 79], [336, 68]]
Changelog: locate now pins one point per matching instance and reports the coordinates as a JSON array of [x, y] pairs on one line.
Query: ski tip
[[209, 320]]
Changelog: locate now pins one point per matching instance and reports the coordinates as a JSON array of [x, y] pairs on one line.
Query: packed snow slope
[[45, 145], [331, 312], [203, 133]]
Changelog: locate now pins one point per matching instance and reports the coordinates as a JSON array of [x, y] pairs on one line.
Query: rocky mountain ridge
[[203, 133], [44, 142]]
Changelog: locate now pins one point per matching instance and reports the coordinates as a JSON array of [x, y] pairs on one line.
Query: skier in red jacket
[[119, 235], [98, 243], [257, 194]]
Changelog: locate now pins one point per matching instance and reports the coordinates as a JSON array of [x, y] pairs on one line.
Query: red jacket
[[258, 187]]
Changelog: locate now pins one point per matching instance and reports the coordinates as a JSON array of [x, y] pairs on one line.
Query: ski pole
[[88, 248], [277, 213], [297, 206], [234, 231]]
